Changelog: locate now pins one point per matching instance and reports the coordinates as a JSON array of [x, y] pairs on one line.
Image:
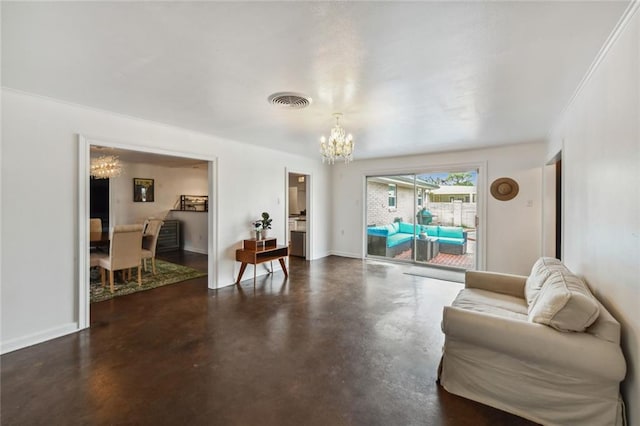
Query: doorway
[[552, 230], [427, 218], [99, 201], [138, 154], [298, 213], [558, 210]]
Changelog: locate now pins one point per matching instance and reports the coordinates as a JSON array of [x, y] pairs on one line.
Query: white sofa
[[541, 347]]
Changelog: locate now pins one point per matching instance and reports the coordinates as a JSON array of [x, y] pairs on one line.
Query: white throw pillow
[[540, 271], [564, 303]]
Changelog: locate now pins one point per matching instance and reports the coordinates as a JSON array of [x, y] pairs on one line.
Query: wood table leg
[[284, 267], [243, 266]]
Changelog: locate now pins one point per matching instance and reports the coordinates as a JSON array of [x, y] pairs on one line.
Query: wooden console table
[[255, 252]]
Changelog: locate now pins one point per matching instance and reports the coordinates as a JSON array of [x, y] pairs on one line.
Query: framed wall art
[[143, 190]]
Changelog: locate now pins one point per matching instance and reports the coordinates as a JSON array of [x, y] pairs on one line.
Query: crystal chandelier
[[105, 167], [339, 146]]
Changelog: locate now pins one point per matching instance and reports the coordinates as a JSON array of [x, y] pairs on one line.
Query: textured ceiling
[[409, 77]]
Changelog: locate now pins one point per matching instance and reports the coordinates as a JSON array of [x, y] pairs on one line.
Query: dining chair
[[125, 252], [95, 225], [150, 241]]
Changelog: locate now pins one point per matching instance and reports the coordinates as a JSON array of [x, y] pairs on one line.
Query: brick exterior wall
[[378, 211]]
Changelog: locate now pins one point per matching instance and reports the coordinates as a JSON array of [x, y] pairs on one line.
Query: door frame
[[84, 162], [481, 201]]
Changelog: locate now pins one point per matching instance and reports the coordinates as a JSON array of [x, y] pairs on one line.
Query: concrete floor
[[341, 342]]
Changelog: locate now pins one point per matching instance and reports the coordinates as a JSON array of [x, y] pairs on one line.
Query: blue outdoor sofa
[[452, 239], [391, 240]]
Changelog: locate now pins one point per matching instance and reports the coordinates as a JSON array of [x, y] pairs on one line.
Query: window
[[414, 200], [393, 191]]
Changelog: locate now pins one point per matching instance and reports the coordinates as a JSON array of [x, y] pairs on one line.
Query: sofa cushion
[[432, 230], [398, 238], [564, 303], [605, 326], [539, 274], [381, 231], [454, 241], [395, 226], [450, 232], [406, 228], [488, 302], [391, 229]]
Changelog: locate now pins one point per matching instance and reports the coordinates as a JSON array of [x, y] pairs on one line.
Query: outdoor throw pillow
[[432, 230], [451, 232], [564, 303], [406, 228]]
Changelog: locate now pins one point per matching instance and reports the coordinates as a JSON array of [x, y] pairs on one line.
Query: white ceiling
[[409, 77]]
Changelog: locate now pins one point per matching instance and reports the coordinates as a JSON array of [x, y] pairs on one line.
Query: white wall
[[40, 195], [513, 230], [169, 184], [193, 230], [599, 136]]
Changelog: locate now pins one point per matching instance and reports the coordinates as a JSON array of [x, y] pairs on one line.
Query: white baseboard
[[345, 254], [224, 285], [320, 255], [39, 337], [195, 249]]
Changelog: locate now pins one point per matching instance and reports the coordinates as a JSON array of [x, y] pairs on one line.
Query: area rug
[[166, 273], [437, 273]]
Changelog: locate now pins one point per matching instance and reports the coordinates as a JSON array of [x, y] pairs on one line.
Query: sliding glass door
[[426, 218]]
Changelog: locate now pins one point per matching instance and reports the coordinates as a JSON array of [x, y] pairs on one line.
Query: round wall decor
[[504, 189]]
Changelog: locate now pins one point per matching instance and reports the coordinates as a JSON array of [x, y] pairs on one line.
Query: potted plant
[[265, 223], [257, 227], [260, 226]]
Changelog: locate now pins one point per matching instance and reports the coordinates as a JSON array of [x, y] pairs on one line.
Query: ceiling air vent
[[290, 100]]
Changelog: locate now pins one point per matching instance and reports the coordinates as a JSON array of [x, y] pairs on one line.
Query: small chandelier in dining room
[[339, 146], [105, 167]]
